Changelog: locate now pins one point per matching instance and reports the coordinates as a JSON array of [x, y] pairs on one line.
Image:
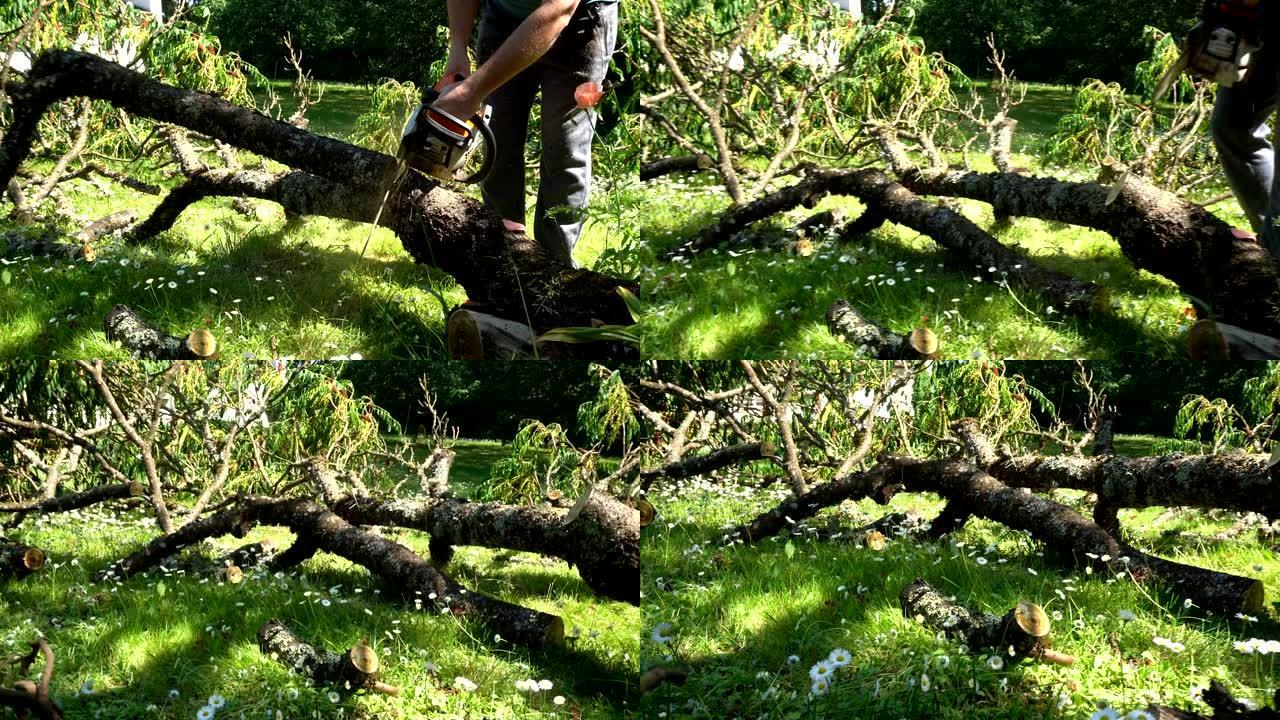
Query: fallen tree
[[77, 500], [1243, 482], [1223, 705], [600, 536], [396, 564], [505, 270]]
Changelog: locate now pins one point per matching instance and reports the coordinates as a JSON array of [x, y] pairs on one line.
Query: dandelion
[[558, 700], [839, 657], [663, 633], [216, 701], [995, 662], [463, 684], [525, 686], [820, 670], [544, 684], [205, 713]]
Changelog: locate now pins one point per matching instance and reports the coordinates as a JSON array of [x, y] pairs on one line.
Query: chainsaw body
[[1221, 47], [438, 144]]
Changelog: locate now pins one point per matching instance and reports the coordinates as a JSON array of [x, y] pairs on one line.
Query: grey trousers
[[581, 54], [1242, 133]]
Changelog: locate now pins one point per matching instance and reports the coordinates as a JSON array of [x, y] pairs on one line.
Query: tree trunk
[[394, 563], [1158, 231], [506, 270], [978, 630], [670, 165], [356, 669]]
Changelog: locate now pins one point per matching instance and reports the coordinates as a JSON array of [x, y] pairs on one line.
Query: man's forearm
[[530, 41], [462, 19]]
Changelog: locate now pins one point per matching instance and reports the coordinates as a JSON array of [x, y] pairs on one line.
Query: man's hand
[[458, 101], [459, 63]]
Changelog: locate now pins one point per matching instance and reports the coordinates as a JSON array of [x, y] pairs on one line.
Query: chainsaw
[[1221, 46], [438, 144]]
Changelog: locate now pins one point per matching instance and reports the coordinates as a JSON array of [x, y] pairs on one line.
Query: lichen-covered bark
[[850, 326], [603, 540], [800, 507], [123, 325], [973, 628], [506, 270], [708, 463], [18, 560], [416, 578], [76, 501], [669, 165], [1218, 592], [1158, 231], [894, 202], [325, 667]]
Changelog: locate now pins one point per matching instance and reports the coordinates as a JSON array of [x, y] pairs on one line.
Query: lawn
[[160, 646], [751, 621], [759, 299], [264, 286]]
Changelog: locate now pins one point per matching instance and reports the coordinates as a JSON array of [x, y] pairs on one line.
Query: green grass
[[758, 299], [140, 640], [264, 286], [740, 612]]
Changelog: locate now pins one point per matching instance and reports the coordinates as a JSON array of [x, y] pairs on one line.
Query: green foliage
[[1170, 146], [608, 418], [1248, 425], [345, 40], [1001, 402], [1049, 41], [380, 127], [542, 459]]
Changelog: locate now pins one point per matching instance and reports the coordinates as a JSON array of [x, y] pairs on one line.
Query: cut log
[[124, 326], [505, 269], [18, 561], [850, 326], [475, 335], [1223, 704], [709, 463], [356, 669], [394, 563], [1213, 341], [1025, 628], [670, 165], [602, 540], [76, 501], [1158, 231]]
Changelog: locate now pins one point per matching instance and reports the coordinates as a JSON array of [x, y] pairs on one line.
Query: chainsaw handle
[[490, 150]]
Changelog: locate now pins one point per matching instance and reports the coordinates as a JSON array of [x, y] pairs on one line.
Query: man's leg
[[564, 185], [503, 190], [1242, 135]]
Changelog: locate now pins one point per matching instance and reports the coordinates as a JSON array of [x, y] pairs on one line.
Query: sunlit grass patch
[[753, 621]]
